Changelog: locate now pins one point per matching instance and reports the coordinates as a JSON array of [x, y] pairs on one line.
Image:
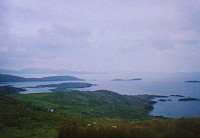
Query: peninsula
[[10, 78]]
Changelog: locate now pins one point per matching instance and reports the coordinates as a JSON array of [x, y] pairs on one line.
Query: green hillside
[[92, 104], [88, 114]]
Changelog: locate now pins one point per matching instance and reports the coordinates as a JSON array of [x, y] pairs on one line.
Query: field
[[87, 114], [87, 104]]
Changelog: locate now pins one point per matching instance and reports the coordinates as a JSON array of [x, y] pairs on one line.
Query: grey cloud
[[100, 35]]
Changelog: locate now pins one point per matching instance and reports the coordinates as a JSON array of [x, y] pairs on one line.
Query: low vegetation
[[154, 128], [95, 104], [86, 114], [21, 119], [6, 90]]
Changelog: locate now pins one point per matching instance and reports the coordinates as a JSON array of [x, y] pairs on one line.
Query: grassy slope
[[97, 104], [154, 128], [26, 116], [20, 119]]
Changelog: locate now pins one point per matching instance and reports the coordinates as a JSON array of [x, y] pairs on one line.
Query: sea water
[[166, 87]]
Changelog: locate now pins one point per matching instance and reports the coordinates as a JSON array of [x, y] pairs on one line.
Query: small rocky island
[[188, 99], [193, 81], [117, 80], [164, 100], [135, 79], [177, 95]]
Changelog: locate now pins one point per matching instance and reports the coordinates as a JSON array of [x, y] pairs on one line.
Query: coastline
[[123, 87]]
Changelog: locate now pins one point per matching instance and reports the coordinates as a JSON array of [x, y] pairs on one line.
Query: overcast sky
[[101, 35]]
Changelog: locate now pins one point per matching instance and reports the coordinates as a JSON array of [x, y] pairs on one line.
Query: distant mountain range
[[43, 71], [11, 78]]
